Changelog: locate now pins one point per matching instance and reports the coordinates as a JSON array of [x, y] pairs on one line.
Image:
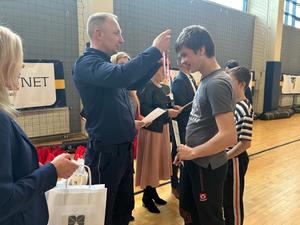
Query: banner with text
[[36, 86]]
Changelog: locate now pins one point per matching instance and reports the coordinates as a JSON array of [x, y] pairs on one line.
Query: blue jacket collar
[[89, 51]]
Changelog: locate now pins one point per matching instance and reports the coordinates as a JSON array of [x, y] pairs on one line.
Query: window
[[236, 4], [291, 15]]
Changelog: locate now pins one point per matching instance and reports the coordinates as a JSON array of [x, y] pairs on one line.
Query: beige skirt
[[153, 162]]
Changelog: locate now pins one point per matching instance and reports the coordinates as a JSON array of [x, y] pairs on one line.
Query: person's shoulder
[[179, 78], [244, 108], [87, 58], [85, 62], [4, 117], [5, 120], [146, 88], [149, 84], [91, 55], [221, 78], [222, 75], [180, 74]]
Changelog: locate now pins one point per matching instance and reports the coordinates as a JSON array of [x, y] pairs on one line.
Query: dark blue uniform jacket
[[102, 87]]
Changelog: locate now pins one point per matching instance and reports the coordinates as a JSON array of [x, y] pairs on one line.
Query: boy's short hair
[[242, 74], [195, 37]]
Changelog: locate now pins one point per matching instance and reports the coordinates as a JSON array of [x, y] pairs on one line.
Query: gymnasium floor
[[272, 192]]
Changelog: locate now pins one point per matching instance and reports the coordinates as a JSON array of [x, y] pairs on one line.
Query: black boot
[[131, 218], [148, 202], [156, 198]]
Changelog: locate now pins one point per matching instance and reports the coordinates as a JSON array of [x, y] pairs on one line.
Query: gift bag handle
[[89, 176]]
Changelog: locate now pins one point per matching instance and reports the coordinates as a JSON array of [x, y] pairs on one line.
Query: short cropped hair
[[97, 20], [195, 37], [231, 64], [242, 74]]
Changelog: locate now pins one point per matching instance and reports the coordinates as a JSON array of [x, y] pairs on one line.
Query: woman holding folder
[[153, 155]]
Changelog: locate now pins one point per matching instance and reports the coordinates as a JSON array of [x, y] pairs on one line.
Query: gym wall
[[142, 20], [56, 30], [290, 58], [49, 30]]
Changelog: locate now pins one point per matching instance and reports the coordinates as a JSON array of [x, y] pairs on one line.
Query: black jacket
[[183, 93], [152, 97]]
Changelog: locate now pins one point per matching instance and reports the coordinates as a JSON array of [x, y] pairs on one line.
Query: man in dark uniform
[[183, 89], [109, 121]]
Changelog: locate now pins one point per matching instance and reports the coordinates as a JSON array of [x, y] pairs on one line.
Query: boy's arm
[[239, 148], [225, 138], [244, 125]]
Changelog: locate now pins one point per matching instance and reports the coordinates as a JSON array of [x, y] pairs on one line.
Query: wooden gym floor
[[272, 192]]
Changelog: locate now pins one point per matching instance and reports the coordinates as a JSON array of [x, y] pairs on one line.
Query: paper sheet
[[153, 115], [186, 105], [176, 132]]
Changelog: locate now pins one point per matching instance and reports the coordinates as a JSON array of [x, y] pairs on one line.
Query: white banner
[[291, 84], [37, 86]]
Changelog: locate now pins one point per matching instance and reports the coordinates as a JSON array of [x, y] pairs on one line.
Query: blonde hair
[[97, 20], [116, 57], [11, 61]]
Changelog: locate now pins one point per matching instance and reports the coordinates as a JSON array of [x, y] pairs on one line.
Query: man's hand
[[162, 41], [64, 166]]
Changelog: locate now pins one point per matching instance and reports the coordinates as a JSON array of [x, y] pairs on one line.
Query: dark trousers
[[113, 166], [201, 194], [234, 190]]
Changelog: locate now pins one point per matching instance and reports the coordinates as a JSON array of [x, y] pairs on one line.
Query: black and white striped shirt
[[243, 120]]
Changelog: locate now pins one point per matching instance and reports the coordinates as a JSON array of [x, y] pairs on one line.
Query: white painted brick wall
[[266, 12], [45, 122]]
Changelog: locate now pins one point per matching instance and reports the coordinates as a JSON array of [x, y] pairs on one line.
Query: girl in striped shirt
[[237, 155]]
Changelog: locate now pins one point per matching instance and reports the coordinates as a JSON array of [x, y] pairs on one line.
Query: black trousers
[[234, 190], [201, 194], [112, 165]]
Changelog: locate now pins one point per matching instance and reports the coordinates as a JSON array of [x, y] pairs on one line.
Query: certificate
[[153, 115], [186, 105]]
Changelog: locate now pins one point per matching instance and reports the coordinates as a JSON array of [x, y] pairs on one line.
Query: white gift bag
[[77, 204]]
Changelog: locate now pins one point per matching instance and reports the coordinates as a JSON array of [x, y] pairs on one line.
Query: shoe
[[148, 202], [156, 198], [175, 192]]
